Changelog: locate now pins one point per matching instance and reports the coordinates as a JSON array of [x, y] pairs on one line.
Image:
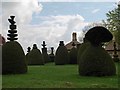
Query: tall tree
[[113, 22]]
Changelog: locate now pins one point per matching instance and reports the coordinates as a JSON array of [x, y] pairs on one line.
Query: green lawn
[[51, 76]]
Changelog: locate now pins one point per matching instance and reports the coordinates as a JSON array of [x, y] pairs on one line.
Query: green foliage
[[34, 57], [81, 50], [61, 56], [95, 61], [45, 55], [98, 34], [113, 22], [13, 58], [73, 56]]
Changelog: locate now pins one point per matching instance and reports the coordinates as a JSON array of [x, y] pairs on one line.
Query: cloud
[[52, 29], [95, 11]]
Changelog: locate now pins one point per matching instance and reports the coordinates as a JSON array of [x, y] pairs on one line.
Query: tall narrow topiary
[[61, 56], [44, 53], [51, 55], [28, 50], [13, 56], [73, 54], [94, 60], [35, 57]]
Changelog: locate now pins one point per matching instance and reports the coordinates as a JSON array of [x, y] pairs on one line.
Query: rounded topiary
[[35, 57], [13, 58], [98, 34], [61, 56], [95, 61], [73, 55], [81, 50]]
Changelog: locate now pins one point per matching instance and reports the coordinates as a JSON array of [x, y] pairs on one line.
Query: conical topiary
[[44, 53], [94, 60], [73, 55], [61, 56], [13, 56], [51, 55], [34, 57]]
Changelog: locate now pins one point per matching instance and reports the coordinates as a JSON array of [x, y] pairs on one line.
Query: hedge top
[[98, 34]]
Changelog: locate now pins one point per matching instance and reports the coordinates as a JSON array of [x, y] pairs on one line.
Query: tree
[[113, 23]]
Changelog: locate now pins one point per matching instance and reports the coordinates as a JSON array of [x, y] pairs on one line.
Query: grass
[[51, 76]]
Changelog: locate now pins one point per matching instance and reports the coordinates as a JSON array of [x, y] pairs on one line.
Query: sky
[[51, 20]]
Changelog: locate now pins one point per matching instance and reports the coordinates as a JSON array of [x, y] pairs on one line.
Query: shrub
[[81, 50], [61, 56], [13, 58], [34, 57], [95, 61], [45, 55], [98, 34], [73, 56], [51, 55]]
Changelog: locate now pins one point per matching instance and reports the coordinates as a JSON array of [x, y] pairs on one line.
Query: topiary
[[44, 53], [61, 56], [13, 56], [28, 50], [73, 55], [35, 57], [95, 61], [81, 49], [98, 34], [51, 55]]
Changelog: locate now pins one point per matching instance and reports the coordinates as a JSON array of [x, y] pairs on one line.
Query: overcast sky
[[50, 21]]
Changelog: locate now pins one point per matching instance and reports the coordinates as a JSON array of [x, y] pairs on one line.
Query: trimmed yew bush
[[13, 58], [98, 34], [95, 61], [81, 50], [73, 56], [45, 55], [34, 57], [61, 56]]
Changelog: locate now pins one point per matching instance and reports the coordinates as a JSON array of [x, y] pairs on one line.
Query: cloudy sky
[[50, 20]]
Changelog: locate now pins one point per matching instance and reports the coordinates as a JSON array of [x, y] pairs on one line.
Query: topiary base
[[13, 58], [95, 61]]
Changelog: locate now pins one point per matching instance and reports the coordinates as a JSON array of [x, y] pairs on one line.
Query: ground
[[52, 76]]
